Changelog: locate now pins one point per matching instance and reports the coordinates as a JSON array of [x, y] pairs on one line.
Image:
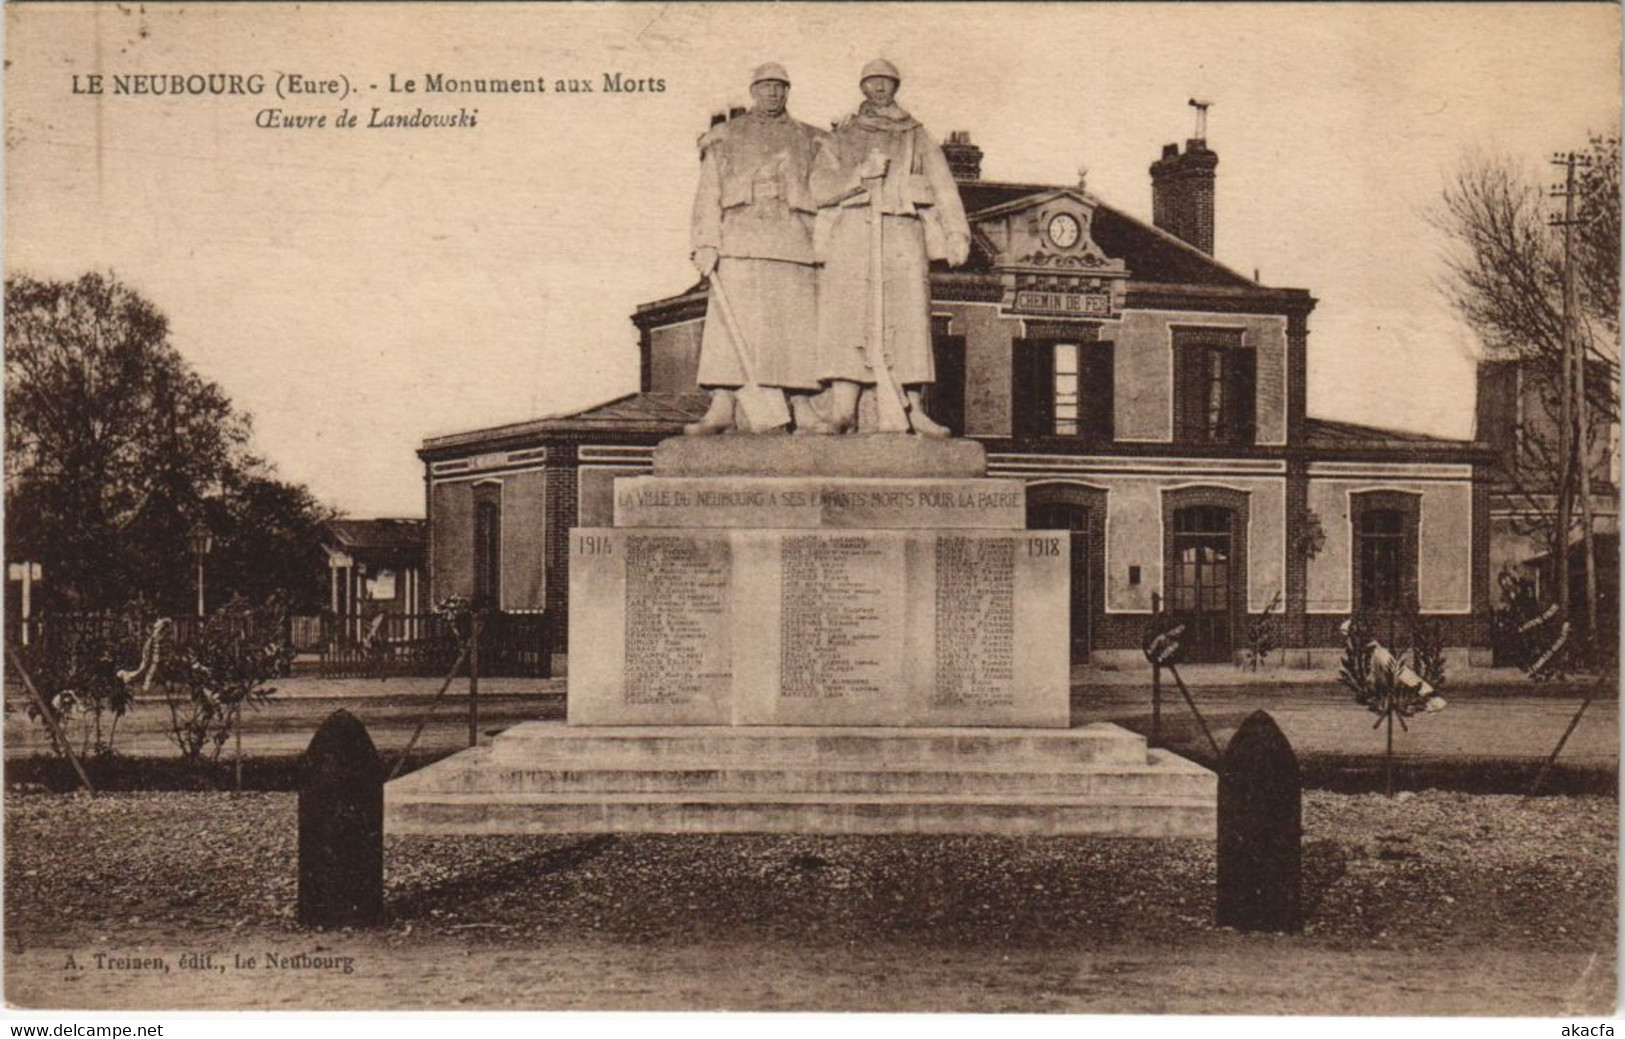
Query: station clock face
[[1064, 230]]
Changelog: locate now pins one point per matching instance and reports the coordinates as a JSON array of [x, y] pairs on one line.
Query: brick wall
[[1182, 193], [561, 516]]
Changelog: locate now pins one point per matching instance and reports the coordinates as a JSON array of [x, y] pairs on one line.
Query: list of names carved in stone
[[832, 619], [676, 608], [976, 621]]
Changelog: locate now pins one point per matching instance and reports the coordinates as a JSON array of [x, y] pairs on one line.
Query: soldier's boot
[[718, 418], [842, 405], [809, 420], [924, 424]]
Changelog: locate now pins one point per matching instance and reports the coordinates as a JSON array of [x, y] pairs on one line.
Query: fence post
[[1260, 830], [341, 826], [1156, 705], [474, 680], [1156, 683]]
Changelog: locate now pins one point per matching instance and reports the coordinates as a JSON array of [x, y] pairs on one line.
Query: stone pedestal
[[833, 635], [909, 595]]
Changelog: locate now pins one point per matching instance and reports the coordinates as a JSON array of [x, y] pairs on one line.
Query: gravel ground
[[1431, 874]]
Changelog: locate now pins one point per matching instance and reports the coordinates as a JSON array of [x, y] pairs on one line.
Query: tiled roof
[[1326, 433], [671, 409], [633, 413], [377, 533], [1151, 254]]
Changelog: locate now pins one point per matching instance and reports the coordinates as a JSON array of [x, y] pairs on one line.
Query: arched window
[[1385, 549], [1205, 566]]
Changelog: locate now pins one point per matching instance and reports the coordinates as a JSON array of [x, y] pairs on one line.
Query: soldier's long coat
[[920, 208], [753, 206]]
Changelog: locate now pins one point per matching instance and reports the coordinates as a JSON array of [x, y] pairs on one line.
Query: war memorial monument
[[818, 613]]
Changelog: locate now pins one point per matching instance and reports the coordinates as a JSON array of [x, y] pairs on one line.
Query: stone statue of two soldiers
[[783, 218]]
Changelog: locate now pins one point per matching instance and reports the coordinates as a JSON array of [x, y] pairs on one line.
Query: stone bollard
[[1260, 830], [341, 827]]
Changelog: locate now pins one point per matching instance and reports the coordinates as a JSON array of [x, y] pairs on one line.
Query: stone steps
[[822, 814], [551, 745], [544, 777], [475, 773]]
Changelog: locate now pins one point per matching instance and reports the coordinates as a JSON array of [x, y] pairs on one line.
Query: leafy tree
[[270, 542], [115, 448]]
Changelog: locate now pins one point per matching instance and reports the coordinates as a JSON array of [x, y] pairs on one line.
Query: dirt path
[[1437, 903], [1213, 973]]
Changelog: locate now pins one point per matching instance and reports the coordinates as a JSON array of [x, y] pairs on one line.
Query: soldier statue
[[921, 219], [752, 231]]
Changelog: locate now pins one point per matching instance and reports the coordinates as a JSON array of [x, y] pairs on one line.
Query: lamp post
[[201, 542]]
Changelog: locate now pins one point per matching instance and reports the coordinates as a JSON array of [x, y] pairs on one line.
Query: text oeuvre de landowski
[[406, 101]]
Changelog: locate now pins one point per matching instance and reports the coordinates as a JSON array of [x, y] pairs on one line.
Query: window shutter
[[945, 399], [1498, 407], [1032, 403], [1241, 405], [1096, 387], [1190, 382]]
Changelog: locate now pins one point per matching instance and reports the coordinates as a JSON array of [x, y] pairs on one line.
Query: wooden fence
[[512, 645]]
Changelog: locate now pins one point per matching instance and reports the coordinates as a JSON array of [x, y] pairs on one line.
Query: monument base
[[546, 777], [864, 580], [704, 626]]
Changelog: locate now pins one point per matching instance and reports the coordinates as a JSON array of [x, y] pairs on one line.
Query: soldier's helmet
[[880, 67], [772, 71]]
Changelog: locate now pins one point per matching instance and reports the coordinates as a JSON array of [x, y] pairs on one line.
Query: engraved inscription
[[976, 622], [832, 618], [676, 619]]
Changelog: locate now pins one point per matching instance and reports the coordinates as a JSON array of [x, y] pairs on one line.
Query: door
[[1202, 581], [1074, 519], [488, 546]]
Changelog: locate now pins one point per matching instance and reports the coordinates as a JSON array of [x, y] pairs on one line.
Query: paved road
[[1493, 721]]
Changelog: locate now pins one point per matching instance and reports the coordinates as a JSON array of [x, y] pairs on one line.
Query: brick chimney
[[964, 158], [1182, 192]]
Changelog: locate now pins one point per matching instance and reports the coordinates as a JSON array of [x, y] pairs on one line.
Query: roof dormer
[[1044, 246]]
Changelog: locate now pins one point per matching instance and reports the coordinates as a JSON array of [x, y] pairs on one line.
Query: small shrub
[[75, 665], [1311, 537], [238, 649], [1262, 634]]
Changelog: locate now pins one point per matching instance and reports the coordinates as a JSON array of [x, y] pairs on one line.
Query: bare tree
[[1505, 263], [1505, 278]]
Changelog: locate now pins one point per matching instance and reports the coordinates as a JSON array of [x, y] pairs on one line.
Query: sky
[[360, 289]]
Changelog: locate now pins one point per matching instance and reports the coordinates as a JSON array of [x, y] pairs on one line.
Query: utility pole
[[1575, 417]]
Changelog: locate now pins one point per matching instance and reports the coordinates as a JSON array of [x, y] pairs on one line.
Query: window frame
[[1407, 506], [1035, 369], [1209, 363]]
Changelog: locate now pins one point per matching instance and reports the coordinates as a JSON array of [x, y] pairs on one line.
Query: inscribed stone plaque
[[839, 619], [818, 627], [650, 628], [975, 621], [769, 502], [676, 639]]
